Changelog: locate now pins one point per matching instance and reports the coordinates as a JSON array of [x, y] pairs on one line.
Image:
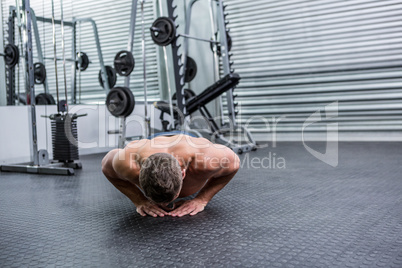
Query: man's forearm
[[213, 186], [128, 189]]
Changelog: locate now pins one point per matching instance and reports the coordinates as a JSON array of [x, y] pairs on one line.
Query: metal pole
[[215, 62], [55, 58], [29, 62], [64, 55], [10, 72], [22, 33], [38, 45], [98, 49], [186, 32], [73, 68], [225, 60], [171, 118], [3, 92], [131, 36], [144, 66]]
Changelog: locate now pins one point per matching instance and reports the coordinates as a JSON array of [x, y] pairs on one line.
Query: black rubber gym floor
[[306, 215]]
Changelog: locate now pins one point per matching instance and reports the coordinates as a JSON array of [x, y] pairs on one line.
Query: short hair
[[160, 177]]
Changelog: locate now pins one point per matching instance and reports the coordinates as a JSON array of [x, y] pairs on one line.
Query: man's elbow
[[107, 164], [236, 163], [232, 163]]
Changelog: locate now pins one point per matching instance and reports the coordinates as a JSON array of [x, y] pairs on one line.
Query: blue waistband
[[171, 133]]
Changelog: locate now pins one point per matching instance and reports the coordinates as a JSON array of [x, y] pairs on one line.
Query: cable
[[64, 55], [55, 57], [79, 61], [147, 120], [44, 53]]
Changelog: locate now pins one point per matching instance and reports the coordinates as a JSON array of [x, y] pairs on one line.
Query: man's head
[[161, 177]]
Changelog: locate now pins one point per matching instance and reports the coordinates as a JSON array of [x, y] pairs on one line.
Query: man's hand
[[191, 207], [151, 209]]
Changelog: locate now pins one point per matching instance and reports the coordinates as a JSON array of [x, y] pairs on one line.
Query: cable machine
[[64, 125]]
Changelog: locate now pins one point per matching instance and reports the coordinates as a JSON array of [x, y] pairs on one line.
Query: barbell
[[82, 58], [218, 46], [163, 32]]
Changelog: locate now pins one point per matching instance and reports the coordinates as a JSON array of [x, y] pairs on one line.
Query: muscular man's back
[[201, 161]]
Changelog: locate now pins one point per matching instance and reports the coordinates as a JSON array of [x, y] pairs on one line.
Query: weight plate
[[124, 63], [191, 70], [163, 31], [44, 99], [39, 73], [50, 99], [41, 99], [117, 101], [111, 76], [11, 55], [83, 59], [131, 101], [188, 94]]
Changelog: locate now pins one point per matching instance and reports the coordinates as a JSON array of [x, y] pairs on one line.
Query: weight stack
[[64, 137]]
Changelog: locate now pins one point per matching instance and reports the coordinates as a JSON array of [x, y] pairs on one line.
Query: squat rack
[[217, 134], [39, 163], [10, 77]]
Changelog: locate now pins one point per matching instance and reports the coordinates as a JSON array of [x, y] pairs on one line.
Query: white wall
[[92, 129]]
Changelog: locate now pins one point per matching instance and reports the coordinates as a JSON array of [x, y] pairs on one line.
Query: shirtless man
[[154, 173]]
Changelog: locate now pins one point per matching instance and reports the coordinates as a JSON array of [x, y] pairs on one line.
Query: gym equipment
[[120, 101], [191, 70], [212, 92], [111, 76], [44, 99], [39, 73], [39, 163], [11, 55], [82, 61], [69, 59], [163, 32], [65, 148], [124, 63], [198, 102], [147, 120], [188, 94], [218, 46]]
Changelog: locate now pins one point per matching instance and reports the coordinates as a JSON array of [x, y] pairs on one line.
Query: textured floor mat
[[298, 213]]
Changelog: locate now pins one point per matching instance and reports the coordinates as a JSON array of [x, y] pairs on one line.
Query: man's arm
[[224, 170], [117, 170]]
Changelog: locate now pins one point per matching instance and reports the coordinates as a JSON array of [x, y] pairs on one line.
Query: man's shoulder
[[126, 164]]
